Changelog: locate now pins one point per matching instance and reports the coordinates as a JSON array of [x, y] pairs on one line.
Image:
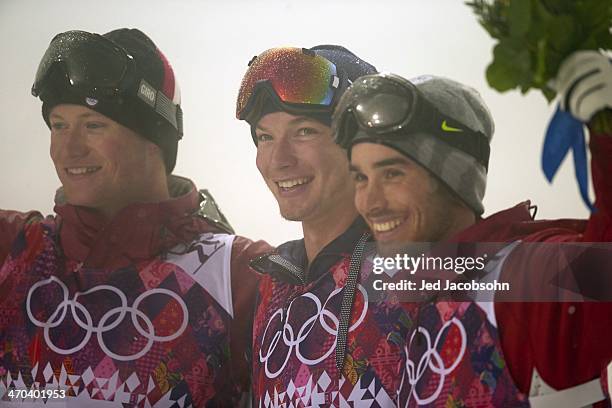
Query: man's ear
[[156, 153], [153, 149]]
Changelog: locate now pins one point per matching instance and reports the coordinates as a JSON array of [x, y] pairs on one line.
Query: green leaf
[[592, 42], [593, 13], [557, 7], [549, 94], [542, 10], [519, 17], [539, 78], [500, 77], [492, 15], [511, 66], [561, 34]]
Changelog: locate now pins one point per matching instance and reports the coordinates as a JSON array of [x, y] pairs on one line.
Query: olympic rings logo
[[292, 340], [432, 360], [110, 320]]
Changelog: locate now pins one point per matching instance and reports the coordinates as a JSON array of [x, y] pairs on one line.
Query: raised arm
[[584, 83]]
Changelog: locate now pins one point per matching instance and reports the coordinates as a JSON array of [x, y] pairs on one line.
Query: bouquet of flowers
[[535, 36]]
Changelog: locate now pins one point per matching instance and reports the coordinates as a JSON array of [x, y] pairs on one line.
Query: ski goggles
[[390, 108], [296, 79], [91, 62], [97, 67]]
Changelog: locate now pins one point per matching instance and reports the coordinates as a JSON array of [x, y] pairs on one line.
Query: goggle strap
[[477, 148], [166, 109], [160, 103], [484, 151], [309, 52]]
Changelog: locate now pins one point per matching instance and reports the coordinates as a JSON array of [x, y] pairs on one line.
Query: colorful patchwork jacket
[[151, 309], [440, 354]]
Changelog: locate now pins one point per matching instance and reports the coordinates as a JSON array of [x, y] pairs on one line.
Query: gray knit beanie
[[461, 172]]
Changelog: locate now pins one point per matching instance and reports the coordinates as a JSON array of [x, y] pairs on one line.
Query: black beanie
[[129, 110]]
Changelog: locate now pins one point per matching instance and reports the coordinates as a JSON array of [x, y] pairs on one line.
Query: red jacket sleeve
[[568, 343], [11, 223], [244, 291], [599, 228]]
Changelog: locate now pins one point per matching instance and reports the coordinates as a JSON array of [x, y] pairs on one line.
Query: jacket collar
[[138, 232], [517, 223], [289, 262], [494, 227]]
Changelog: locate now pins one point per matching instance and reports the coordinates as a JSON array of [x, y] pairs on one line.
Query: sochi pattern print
[[153, 334], [447, 354]]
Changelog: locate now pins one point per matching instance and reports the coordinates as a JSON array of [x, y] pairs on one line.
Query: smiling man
[[287, 96], [307, 175], [419, 155], [136, 292], [430, 213], [102, 164]]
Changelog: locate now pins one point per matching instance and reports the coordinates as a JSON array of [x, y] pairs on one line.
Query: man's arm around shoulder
[[245, 282], [11, 223]]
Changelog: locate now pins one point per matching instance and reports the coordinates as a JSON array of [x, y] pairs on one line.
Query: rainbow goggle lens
[[296, 78]]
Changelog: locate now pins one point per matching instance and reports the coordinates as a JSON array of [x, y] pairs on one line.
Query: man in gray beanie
[[419, 153], [454, 160]]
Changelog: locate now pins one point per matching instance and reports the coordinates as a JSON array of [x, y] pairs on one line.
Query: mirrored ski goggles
[[92, 63], [390, 108], [296, 78]]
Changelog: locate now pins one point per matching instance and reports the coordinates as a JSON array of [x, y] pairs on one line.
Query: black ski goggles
[[389, 108], [95, 66], [92, 63]]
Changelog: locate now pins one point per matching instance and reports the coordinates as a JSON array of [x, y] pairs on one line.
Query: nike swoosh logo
[[447, 128]]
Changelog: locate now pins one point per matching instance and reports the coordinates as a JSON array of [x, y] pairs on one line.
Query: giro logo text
[[147, 93]]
